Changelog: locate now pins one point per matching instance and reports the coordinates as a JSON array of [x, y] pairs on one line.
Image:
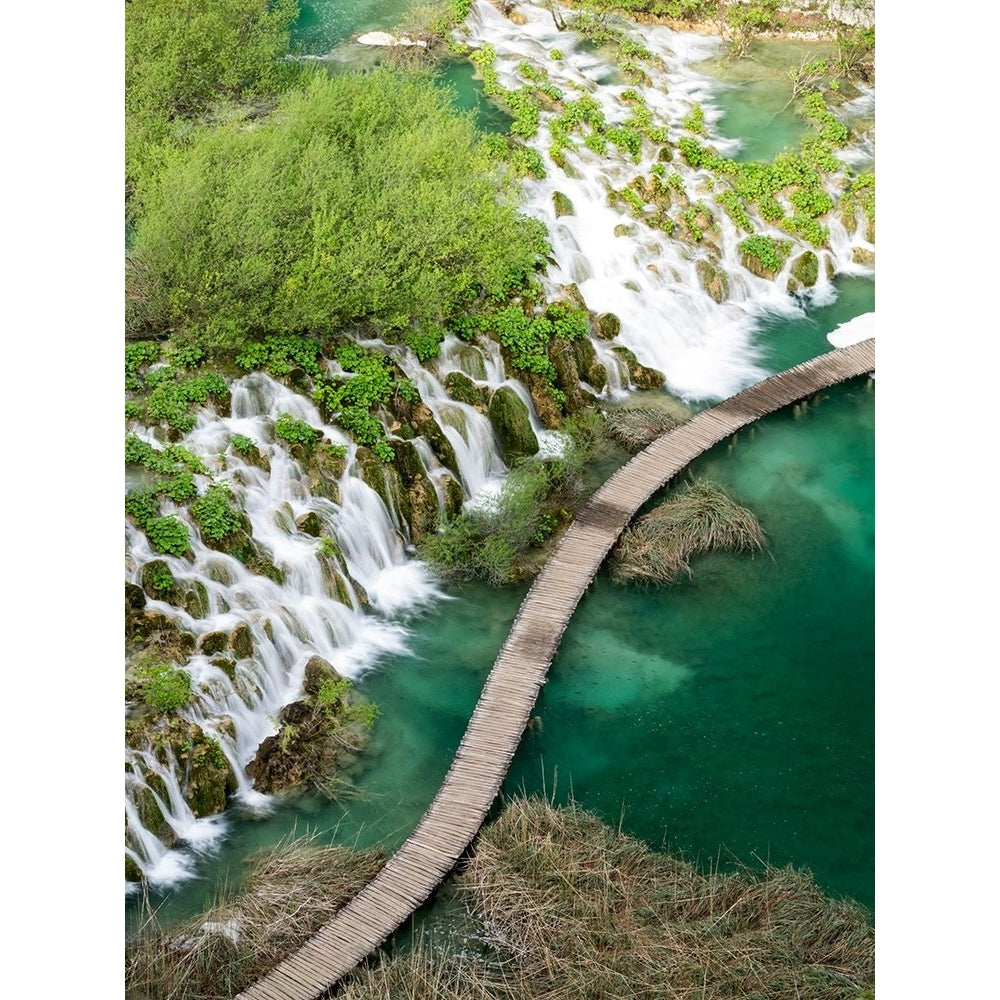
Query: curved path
[[481, 761]]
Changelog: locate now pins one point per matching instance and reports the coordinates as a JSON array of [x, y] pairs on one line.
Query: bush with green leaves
[[314, 190], [279, 354], [184, 59], [165, 688], [295, 431], [214, 513]]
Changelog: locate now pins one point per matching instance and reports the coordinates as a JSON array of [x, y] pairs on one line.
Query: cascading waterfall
[[287, 622], [706, 349]]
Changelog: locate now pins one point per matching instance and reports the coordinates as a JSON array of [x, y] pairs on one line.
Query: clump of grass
[[635, 427], [290, 892], [584, 911], [701, 518]]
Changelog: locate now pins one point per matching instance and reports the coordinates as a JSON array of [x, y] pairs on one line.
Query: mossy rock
[[454, 496], [157, 580], [194, 595], [563, 359], [640, 376], [385, 481], [625, 229], [209, 779], [226, 665], [470, 359], [135, 598], [665, 155], [713, 279], [592, 371], [862, 255], [427, 427], [548, 410], [460, 387], [324, 470], [574, 297], [512, 424], [212, 642], [132, 871], [408, 463], [284, 517], [317, 671], [562, 203], [241, 641], [424, 513], [607, 326], [153, 629], [804, 271], [310, 524], [254, 456]]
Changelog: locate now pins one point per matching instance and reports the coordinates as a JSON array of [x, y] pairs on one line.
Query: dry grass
[[569, 909], [701, 518], [635, 427], [291, 891]]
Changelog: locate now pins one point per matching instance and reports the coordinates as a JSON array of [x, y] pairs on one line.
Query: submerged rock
[[512, 423]]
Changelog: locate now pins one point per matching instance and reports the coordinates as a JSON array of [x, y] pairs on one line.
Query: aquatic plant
[[700, 518]]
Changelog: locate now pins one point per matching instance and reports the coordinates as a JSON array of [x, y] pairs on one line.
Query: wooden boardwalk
[[481, 761]]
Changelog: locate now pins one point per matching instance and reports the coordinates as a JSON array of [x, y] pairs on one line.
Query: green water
[[790, 341], [459, 75], [755, 101], [323, 24], [732, 715]]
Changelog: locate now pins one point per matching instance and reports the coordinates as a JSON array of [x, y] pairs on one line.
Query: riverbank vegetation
[[551, 902]]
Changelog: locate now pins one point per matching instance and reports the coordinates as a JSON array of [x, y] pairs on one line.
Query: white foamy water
[[706, 350]]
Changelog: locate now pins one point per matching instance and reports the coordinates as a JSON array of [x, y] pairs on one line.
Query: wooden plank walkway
[[481, 761]]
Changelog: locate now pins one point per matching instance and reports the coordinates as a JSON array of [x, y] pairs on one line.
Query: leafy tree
[[184, 56], [362, 197]]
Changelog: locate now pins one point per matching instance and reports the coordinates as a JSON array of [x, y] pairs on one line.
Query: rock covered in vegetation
[[315, 735], [640, 376], [460, 387], [512, 423], [607, 326], [713, 278], [562, 204], [590, 369], [804, 271]]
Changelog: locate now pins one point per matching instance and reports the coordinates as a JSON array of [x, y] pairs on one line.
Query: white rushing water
[[706, 349]]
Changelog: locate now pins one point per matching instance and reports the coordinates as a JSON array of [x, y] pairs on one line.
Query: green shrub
[[295, 431], [166, 688], [215, 514], [243, 445], [142, 506], [765, 250], [168, 534]]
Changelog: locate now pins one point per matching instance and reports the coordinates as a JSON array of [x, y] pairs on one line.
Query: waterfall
[[286, 622], [706, 349]]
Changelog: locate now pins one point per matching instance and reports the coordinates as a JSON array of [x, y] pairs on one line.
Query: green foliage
[[278, 355], [567, 321], [183, 59], [295, 431], [808, 228], [626, 139], [526, 337], [731, 202], [243, 445], [425, 342], [159, 576], [167, 534], [812, 202], [769, 253], [180, 488], [171, 397], [328, 547], [133, 410], [215, 514], [139, 354], [142, 506], [557, 54], [165, 688], [694, 121], [331, 692], [185, 355], [525, 111], [301, 226]]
